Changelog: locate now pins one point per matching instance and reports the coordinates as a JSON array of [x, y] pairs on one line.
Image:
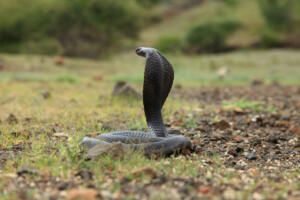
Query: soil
[[256, 145]]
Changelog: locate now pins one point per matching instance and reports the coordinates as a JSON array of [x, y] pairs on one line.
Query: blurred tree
[[211, 36], [169, 44], [277, 13], [231, 2], [149, 3], [86, 28], [282, 23]]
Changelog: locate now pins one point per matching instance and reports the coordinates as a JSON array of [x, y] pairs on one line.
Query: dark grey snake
[[158, 80]]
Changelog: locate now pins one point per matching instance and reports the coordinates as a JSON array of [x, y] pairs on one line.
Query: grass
[[242, 104], [244, 66], [80, 105]]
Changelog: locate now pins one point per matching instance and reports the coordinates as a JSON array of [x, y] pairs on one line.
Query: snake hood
[[158, 80]]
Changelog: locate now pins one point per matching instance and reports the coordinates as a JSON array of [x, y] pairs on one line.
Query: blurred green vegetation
[[169, 44], [282, 23], [211, 36], [277, 13], [252, 24], [93, 28], [73, 28]]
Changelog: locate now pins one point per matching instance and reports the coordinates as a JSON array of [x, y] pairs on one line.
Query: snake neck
[[158, 80], [156, 125]]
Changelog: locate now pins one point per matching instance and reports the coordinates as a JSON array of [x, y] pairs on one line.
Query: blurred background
[[212, 37]]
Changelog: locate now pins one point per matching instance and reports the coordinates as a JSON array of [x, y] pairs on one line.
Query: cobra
[[158, 81]]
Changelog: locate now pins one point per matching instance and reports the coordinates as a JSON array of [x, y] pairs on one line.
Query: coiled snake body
[[158, 80]]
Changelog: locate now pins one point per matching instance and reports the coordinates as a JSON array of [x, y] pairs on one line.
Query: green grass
[[256, 106], [244, 66], [80, 105]]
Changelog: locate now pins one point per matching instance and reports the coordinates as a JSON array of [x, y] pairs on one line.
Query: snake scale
[[158, 81]]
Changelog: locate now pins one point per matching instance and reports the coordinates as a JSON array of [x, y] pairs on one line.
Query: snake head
[[143, 51]]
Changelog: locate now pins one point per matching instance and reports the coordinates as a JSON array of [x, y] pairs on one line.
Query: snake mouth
[[139, 51]]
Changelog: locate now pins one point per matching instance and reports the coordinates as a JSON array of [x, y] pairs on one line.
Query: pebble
[[85, 174], [63, 185], [222, 125], [124, 89], [192, 133], [26, 170], [234, 151], [272, 139], [174, 131], [46, 94], [273, 156], [251, 156]]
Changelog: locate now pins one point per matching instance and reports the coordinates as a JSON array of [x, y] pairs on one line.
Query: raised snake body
[[158, 80]]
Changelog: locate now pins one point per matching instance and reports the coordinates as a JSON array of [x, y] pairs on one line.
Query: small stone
[[239, 111], [208, 153], [178, 86], [273, 156], [257, 196], [2, 66], [98, 77], [12, 119], [218, 135], [288, 152], [222, 125], [257, 118], [234, 151], [277, 132], [59, 60], [198, 149], [251, 156], [229, 194], [73, 100], [94, 134], [238, 138], [4, 155], [295, 130], [46, 94], [106, 126], [255, 141], [28, 119], [285, 117], [204, 190], [192, 133], [222, 72], [26, 170], [124, 89], [63, 185], [256, 82], [60, 134], [272, 139], [85, 174], [82, 193], [186, 151], [174, 131]]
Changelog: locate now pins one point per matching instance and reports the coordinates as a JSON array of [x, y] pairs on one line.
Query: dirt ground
[[245, 150]]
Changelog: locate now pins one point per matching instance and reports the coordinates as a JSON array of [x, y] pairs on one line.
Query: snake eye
[[139, 51]]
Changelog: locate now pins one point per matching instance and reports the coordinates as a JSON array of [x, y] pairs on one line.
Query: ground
[[245, 128]]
